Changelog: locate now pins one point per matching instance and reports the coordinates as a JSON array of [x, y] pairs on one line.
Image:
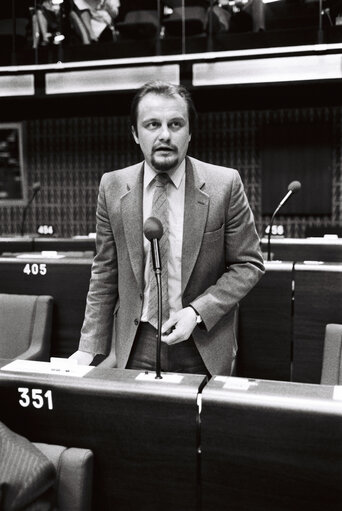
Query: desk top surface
[[104, 380], [278, 394]]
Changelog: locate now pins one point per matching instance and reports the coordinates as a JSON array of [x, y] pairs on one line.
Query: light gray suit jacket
[[221, 261]]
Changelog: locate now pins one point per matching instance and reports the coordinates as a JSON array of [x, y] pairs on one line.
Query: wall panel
[[69, 155]]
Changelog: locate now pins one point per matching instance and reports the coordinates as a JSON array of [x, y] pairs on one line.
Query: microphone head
[[153, 228], [294, 186], [36, 186]]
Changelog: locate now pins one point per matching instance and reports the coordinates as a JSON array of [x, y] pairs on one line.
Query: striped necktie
[[160, 210]]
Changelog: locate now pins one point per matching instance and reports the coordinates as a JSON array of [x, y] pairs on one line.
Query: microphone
[[293, 187], [35, 189], [153, 231]]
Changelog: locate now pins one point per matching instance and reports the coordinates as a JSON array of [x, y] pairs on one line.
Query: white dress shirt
[[175, 191]]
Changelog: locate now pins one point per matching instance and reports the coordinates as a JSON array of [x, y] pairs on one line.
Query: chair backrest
[[196, 20], [74, 467], [332, 355], [139, 24], [25, 326]]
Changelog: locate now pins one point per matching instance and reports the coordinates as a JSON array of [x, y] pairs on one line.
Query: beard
[[164, 163]]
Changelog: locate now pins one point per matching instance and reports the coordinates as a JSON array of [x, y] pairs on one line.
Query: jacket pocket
[[213, 236]]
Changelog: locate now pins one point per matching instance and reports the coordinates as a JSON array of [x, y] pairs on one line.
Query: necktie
[[160, 210]]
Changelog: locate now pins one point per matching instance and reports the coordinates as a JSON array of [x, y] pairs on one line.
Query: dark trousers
[[182, 357]]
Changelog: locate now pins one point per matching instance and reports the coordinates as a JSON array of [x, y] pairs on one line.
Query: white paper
[[337, 394], [233, 382], [46, 254], [166, 378], [32, 366]]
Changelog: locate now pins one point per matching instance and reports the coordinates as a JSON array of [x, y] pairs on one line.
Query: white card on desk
[[33, 366]]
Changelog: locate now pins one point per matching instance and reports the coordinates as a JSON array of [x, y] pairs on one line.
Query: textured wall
[[68, 156]]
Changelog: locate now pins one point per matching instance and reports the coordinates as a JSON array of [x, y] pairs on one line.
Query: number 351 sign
[[35, 398]]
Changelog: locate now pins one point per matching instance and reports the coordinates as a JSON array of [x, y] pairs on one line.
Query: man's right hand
[[82, 357]]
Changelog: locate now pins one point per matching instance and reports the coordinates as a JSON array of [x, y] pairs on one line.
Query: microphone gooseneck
[[35, 189], [293, 187], [153, 231]]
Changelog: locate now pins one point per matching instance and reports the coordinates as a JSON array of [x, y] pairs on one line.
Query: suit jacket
[[221, 261], [27, 477]]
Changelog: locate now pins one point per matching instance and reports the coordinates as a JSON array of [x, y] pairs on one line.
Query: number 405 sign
[[35, 398]]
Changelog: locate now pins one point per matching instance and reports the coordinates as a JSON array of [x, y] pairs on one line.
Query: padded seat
[[25, 326], [74, 469], [332, 355]]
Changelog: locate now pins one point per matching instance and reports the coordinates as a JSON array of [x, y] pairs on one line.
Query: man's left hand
[[180, 325]]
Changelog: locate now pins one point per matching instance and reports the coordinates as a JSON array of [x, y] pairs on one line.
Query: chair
[[74, 467], [332, 355], [195, 22], [138, 19], [12, 37], [70, 25], [25, 326]]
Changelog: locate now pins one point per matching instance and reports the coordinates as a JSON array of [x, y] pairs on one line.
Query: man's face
[[162, 130]]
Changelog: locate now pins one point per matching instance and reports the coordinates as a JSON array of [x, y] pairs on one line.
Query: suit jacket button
[[136, 322]]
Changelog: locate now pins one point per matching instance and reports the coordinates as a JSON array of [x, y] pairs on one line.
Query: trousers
[[182, 357]]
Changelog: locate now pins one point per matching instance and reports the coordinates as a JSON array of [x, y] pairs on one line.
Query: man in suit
[[213, 250]]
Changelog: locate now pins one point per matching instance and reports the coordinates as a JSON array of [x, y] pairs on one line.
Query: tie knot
[[162, 178]]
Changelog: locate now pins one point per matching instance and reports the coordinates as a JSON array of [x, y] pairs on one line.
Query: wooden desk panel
[[304, 249], [272, 447], [67, 280], [318, 301], [265, 326], [143, 435]]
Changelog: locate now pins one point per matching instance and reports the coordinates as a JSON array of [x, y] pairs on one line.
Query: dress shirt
[[175, 191]]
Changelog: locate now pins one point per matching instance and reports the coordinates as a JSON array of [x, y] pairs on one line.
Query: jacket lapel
[[132, 218], [196, 207]]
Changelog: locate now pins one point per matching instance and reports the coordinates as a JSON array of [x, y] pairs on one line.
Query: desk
[[308, 249], [318, 301], [143, 434], [64, 244], [66, 279], [270, 446], [40, 243], [265, 325], [16, 244]]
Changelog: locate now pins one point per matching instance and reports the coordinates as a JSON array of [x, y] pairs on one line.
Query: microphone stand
[[157, 271], [25, 211], [287, 196]]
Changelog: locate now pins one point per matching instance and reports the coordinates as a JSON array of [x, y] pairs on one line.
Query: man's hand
[[180, 325]]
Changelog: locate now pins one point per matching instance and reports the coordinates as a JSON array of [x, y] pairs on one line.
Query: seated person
[[98, 17], [49, 21]]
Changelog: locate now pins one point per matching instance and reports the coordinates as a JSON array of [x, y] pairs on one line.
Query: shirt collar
[[176, 176]]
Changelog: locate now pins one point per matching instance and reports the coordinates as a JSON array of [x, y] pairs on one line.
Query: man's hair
[[163, 89]]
